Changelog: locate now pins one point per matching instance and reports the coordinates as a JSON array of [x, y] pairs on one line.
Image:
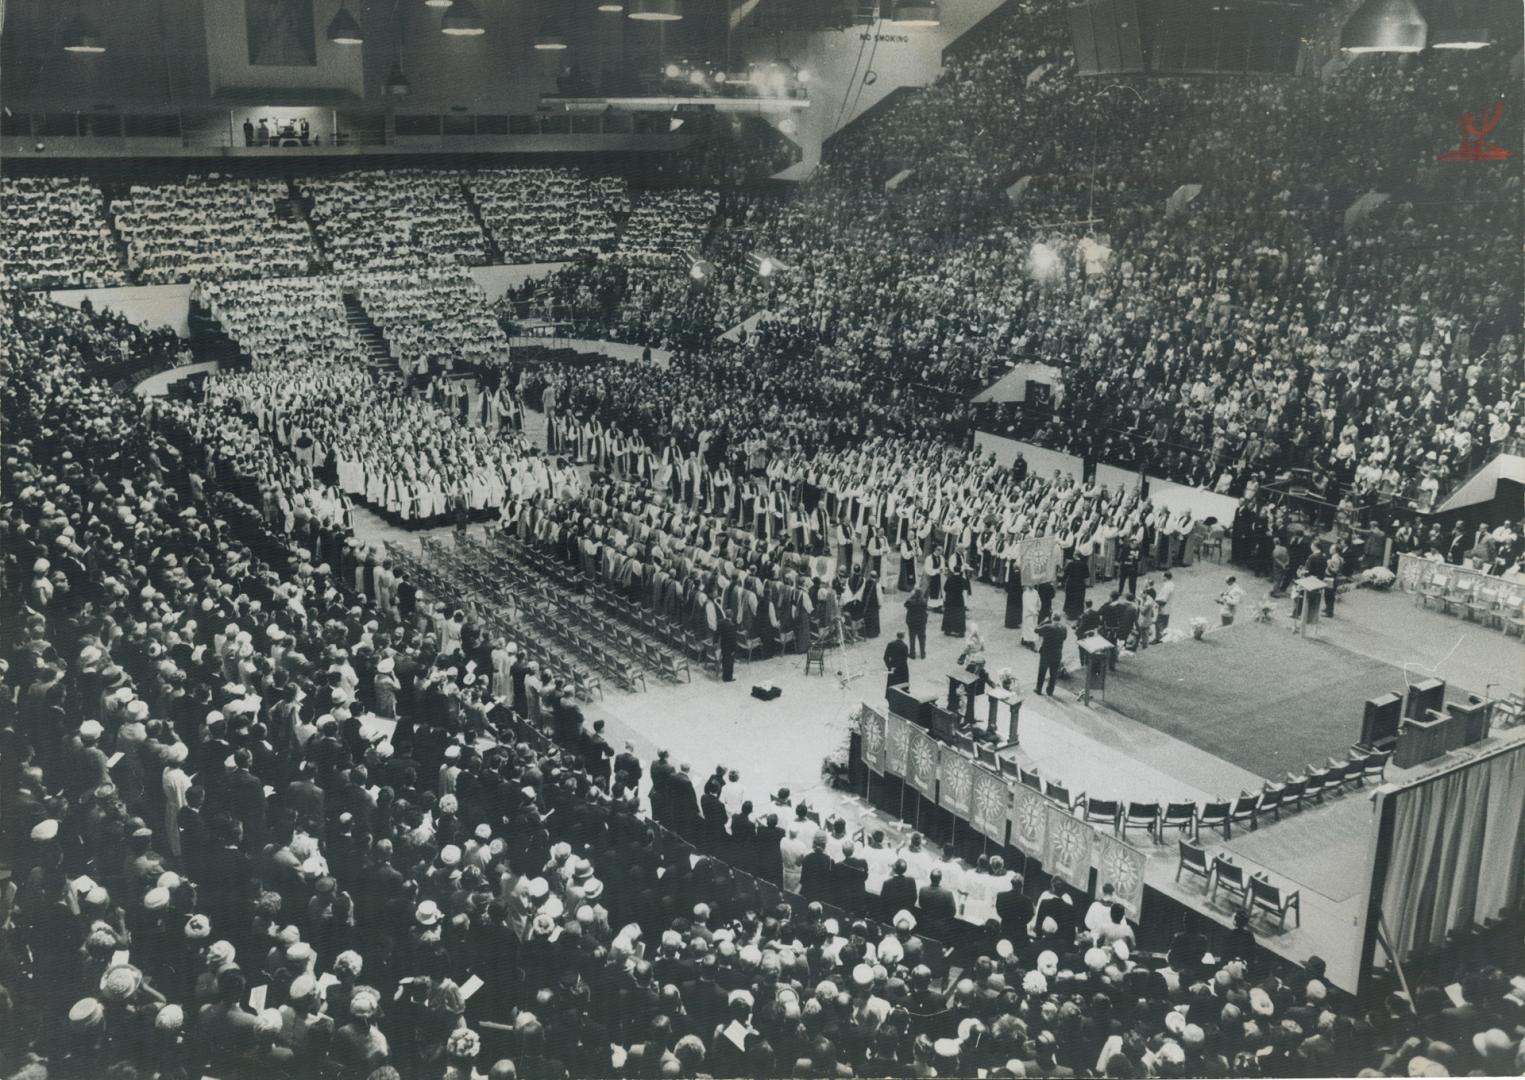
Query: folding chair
[[1179, 815], [1215, 815], [1103, 811], [1030, 778], [1229, 876], [1193, 860], [1141, 815], [1058, 792], [1245, 808], [1268, 899]]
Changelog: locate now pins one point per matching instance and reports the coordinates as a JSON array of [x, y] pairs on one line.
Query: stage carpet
[[1255, 694]]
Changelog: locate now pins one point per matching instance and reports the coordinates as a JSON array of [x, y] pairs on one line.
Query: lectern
[[1313, 604], [1095, 656]]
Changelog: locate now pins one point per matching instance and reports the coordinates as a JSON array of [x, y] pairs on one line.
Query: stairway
[[367, 331], [489, 242], [118, 243], [301, 207]]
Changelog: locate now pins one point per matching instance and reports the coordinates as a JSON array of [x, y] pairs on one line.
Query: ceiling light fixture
[[463, 20], [81, 36], [344, 28], [1461, 37], [1394, 26], [656, 10], [549, 38]]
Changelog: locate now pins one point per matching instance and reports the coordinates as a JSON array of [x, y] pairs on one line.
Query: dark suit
[[938, 909], [898, 893], [851, 884], [817, 872], [1015, 911], [897, 663]]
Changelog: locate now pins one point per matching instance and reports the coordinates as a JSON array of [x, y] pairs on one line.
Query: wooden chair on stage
[[1268, 899], [1215, 815], [1059, 793], [1141, 815], [1246, 808], [1179, 815], [1457, 596], [1030, 778], [1229, 876], [1272, 797], [1483, 606], [1373, 764], [1098, 811], [1193, 861], [1512, 616]]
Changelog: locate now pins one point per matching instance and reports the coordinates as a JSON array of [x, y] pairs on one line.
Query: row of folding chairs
[[634, 655], [1254, 892], [447, 572], [1475, 601], [1313, 785]]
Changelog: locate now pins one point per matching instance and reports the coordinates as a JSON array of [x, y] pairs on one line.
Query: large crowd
[[65, 240], [270, 810]]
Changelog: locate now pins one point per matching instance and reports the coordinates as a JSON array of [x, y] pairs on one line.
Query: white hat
[[428, 913], [90, 729], [46, 829], [904, 920], [450, 855]]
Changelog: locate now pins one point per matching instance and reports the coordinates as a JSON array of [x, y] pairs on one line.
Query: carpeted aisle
[[1254, 694]]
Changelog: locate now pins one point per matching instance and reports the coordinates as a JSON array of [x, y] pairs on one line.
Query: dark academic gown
[[871, 609], [1075, 576], [954, 591], [1014, 599]]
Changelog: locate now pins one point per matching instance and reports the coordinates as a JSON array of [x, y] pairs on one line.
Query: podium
[[969, 684], [1095, 654], [1421, 740], [1313, 604]]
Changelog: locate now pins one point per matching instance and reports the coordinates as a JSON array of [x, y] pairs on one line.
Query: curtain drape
[[1458, 851]]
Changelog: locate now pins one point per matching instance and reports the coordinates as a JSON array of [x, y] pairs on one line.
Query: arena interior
[[761, 538]]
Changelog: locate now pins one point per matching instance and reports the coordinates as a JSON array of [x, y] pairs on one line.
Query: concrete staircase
[[367, 331], [490, 242]]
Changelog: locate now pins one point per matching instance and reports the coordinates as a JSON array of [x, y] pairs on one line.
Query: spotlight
[[1384, 26], [672, 71], [656, 10], [787, 126], [611, 6], [701, 270], [344, 29], [437, 3], [81, 36], [463, 20], [696, 77], [915, 13], [803, 76]]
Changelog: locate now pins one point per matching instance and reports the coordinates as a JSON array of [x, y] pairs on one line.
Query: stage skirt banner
[[922, 770], [897, 730], [1067, 848], [871, 725], [989, 799], [1029, 821], [1039, 559], [1121, 866], [956, 775]]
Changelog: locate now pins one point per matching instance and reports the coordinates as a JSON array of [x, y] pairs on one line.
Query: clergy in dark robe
[[1076, 574], [870, 604], [1013, 596], [954, 591]]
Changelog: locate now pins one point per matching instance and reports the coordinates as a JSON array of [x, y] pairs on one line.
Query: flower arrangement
[[1198, 627], [1378, 577]]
